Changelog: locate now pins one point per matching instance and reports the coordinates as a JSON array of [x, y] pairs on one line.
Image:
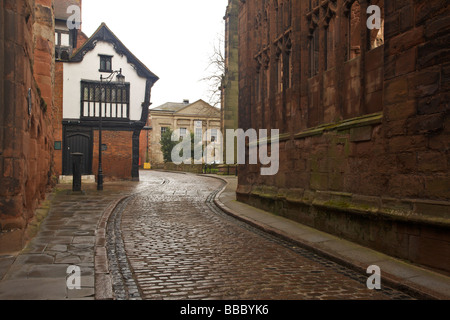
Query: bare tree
[[215, 72]]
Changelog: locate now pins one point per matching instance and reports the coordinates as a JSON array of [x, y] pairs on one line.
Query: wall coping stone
[[422, 211]]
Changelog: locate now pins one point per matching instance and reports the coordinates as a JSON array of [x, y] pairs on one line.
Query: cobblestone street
[[178, 245]]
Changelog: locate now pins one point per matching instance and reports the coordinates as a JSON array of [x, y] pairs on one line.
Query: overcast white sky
[[173, 38]]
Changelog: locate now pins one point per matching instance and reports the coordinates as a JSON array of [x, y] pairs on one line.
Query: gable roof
[[200, 101], [170, 107], [181, 108], [103, 33]]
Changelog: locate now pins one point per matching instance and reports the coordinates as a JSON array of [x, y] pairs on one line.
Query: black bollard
[[77, 157]]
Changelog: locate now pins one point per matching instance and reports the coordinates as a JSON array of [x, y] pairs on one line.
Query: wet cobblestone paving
[[171, 242]]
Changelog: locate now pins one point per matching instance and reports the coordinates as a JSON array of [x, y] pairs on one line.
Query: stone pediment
[[200, 108]]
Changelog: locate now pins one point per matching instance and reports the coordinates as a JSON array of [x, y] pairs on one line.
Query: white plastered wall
[[87, 69]]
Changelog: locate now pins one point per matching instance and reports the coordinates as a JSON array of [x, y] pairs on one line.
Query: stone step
[[69, 179]]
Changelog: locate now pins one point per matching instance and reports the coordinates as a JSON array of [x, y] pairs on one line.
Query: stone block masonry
[[365, 140], [26, 98]]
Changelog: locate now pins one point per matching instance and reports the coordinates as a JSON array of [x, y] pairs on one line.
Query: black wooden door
[[78, 142]]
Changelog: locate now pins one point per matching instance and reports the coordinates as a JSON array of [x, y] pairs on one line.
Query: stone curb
[[103, 281], [414, 289]]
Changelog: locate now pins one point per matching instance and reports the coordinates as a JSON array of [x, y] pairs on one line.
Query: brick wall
[[144, 147], [25, 133], [57, 118], [44, 48], [365, 143], [117, 160]]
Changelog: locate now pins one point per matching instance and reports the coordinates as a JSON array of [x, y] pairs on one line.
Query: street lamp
[[120, 81]]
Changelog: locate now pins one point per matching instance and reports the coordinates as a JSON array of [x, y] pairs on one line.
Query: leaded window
[[112, 97], [105, 63]]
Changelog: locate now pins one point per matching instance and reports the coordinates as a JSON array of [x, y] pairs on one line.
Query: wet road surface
[[170, 241]]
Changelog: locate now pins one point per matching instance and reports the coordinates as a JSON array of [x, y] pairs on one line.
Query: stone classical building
[[197, 118], [363, 117]]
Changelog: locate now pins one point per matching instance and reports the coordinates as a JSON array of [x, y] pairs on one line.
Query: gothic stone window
[[354, 30], [284, 63], [262, 83], [313, 43], [313, 4], [376, 36], [283, 10], [280, 72], [314, 53], [330, 35], [258, 85]]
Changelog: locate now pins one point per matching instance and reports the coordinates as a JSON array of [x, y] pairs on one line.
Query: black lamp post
[[121, 81]]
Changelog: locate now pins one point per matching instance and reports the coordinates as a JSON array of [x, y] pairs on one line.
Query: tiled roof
[[170, 107]]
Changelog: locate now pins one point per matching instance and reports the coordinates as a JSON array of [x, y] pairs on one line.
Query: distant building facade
[[363, 116], [196, 118]]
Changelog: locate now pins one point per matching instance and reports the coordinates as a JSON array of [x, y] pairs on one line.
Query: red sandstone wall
[[58, 117], [394, 157], [406, 154], [416, 97], [26, 140], [44, 48]]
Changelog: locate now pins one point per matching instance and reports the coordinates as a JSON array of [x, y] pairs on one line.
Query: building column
[[135, 150]]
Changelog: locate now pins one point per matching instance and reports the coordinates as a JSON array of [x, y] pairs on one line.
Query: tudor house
[[103, 83]]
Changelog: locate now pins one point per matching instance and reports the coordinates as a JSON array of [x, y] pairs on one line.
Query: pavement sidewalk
[[68, 236], [423, 283]]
